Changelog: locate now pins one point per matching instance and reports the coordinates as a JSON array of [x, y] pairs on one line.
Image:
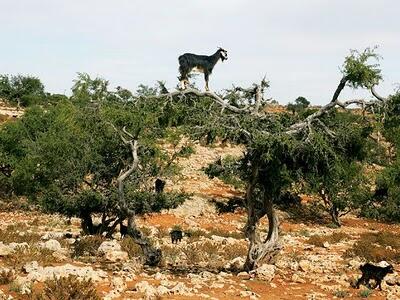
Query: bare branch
[[376, 95]]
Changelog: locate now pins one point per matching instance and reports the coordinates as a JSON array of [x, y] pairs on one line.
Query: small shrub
[[145, 230], [67, 288], [87, 245], [223, 233], [340, 294], [319, 240], [23, 255], [194, 235], [161, 233], [230, 252], [18, 234], [133, 249], [170, 254], [177, 227], [365, 293], [303, 232], [201, 251], [14, 287], [6, 277], [376, 247]]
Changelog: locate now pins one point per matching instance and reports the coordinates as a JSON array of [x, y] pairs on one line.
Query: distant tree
[[300, 104], [21, 90], [70, 158]]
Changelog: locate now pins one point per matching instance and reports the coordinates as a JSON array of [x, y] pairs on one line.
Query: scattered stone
[[15, 246], [243, 275], [5, 250], [53, 235], [52, 245], [250, 294], [38, 273], [108, 246], [235, 264], [115, 256], [326, 245], [296, 278], [304, 265], [265, 272], [118, 284]]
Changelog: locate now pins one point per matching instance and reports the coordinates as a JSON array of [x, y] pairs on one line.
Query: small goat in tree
[[189, 62]]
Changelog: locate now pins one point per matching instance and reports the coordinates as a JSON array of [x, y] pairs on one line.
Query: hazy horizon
[[299, 45]]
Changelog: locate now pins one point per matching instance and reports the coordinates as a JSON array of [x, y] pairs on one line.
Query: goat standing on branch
[[189, 62]]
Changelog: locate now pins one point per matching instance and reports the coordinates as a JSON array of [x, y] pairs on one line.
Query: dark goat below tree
[[159, 185], [189, 62], [370, 271], [176, 236]]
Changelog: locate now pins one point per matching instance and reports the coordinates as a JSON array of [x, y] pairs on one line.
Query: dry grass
[[226, 234], [376, 247], [204, 252], [133, 249], [171, 254], [18, 234], [194, 235], [230, 252], [88, 245], [6, 276], [67, 288], [23, 255], [334, 238]]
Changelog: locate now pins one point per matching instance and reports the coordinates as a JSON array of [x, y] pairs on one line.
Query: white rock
[[296, 278], [236, 263], [243, 275], [53, 235], [108, 246], [31, 266], [115, 256], [265, 272], [305, 265], [162, 290], [118, 284], [52, 245], [15, 246], [5, 250]]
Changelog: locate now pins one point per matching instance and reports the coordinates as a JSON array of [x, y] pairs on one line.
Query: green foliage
[[66, 157], [300, 104], [25, 90], [225, 169], [358, 72], [385, 203], [365, 293], [87, 245]]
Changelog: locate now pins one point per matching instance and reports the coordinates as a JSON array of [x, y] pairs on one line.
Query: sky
[[299, 45]]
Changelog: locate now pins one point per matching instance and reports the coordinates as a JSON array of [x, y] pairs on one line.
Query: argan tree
[[281, 148]]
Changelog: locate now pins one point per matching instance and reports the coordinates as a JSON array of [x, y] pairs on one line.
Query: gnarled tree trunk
[[153, 255], [259, 249]]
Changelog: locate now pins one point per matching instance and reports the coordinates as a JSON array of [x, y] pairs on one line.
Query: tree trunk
[[258, 249], [334, 212], [153, 255]]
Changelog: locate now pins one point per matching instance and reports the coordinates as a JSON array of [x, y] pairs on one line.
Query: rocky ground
[[314, 263]]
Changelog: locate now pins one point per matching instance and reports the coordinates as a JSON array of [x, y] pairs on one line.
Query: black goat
[[189, 62], [176, 236], [159, 185], [370, 271]]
